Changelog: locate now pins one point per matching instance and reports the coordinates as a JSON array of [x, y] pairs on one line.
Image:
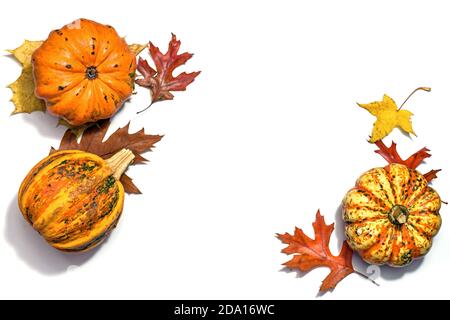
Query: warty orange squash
[[84, 72], [74, 199], [391, 215]]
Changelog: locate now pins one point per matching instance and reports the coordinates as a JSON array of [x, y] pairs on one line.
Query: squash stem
[[120, 162], [398, 215]]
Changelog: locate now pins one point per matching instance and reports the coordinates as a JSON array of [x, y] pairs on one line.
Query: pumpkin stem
[[398, 215], [91, 73], [120, 162]]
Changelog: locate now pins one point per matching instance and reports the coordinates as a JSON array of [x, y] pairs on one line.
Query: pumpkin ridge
[[369, 181], [99, 64], [417, 211], [39, 167], [76, 236], [391, 183], [62, 156], [376, 177], [422, 247], [80, 218], [71, 110], [94, 112], [35, 181], [353, 215], [395, 245], [93, 243], [367, 237], [412, 198], [418, 228], [368, 220], [366, 206], [411, 242], [105, 92], [375, 248], [59, 67], [59, 83], [68, 106], [67, 90], [70, 48], [109, 108], [433, 203], [413, 225], [72, 206], [424, 214], [404, 195], [115, 90], [48, 213], [381, 201]]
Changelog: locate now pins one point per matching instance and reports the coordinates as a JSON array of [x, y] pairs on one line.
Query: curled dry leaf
[[391, 155], [312, 253], [161, 81], [92, 141]]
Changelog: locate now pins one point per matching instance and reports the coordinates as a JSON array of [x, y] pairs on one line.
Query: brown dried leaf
[[92, 141]]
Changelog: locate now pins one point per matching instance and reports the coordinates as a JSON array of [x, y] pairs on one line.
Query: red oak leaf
[[310, 254], [391, 155], [161, 81]]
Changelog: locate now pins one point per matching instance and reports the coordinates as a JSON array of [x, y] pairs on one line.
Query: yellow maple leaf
[[388, 117], [23, 88], [24, 52], [23, 97]]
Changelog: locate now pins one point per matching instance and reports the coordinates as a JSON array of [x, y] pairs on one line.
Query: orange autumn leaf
[[161, 81], [391, 155], [92, 141], [312, 253]]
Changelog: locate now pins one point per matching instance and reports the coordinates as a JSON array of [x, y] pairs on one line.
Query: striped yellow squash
[[391, 215]]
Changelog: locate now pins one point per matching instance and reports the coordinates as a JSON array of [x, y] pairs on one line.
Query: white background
[[266, 135]]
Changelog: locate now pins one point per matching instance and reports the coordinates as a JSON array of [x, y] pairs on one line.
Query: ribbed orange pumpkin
[[74, 199], [84, 72], [391, 215]]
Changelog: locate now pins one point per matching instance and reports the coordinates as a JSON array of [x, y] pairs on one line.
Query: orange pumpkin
[[84, 72]]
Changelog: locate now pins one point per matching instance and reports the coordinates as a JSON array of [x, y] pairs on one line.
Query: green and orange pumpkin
[[84, 72], [74, 199], [391, 215]]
